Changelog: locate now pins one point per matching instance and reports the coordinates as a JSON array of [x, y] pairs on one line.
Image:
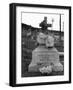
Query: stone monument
[[45, 58], [45, 55]]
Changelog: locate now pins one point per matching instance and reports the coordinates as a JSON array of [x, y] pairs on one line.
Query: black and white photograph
[[41, 44]]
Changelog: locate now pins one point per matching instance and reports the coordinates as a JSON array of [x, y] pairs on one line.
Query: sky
[[34, 19]]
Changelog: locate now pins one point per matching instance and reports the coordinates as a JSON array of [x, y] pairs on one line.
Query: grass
[[34, 74]]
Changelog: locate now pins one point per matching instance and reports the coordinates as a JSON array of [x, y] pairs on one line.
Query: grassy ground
[[34, 74]]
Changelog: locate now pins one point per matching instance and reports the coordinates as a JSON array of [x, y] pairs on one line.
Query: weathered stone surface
[[43, 56]]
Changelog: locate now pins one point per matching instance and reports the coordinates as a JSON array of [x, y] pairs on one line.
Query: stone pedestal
[[43, 56]]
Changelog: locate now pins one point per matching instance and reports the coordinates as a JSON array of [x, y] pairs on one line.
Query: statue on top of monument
[[44, 25]]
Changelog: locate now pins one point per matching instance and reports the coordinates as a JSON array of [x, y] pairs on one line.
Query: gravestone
[[43, 56]]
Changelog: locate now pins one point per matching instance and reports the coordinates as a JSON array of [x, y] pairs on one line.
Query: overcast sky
[[34, 19]]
